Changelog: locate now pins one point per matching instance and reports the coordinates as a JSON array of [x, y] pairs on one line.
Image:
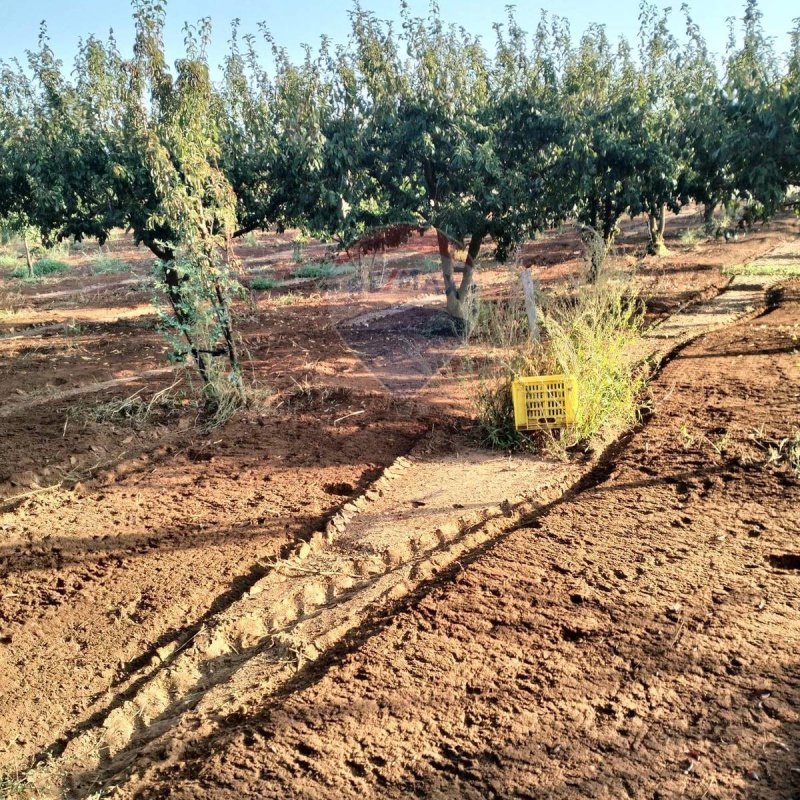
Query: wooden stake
[[530, 286]]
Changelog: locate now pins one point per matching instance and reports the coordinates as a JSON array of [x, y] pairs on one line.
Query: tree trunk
[[655, 223], [172, 284], [172, 281], [598, 251], [457, 295], [610, 218], [708, 216], [28, 258], [223, 312]]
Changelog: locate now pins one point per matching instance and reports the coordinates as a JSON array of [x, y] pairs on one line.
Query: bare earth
[[617, 640], [638, 640]]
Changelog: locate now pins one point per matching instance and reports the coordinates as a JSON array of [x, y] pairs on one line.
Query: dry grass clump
[[586, 332]]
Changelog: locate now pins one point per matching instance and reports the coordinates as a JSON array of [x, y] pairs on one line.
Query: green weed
[[693, 236], [12, 787], [784, 451], [323, 270], [429, 265], [287, 299], [264, 282], [42, 268], [781, 269], [102, 262]]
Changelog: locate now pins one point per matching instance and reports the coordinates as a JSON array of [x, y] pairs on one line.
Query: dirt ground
[[120, 537], [640, 639]]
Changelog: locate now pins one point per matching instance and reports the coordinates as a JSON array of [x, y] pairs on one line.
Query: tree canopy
[[421, 124]]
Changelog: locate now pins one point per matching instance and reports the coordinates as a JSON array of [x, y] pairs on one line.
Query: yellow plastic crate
[[543, 402]]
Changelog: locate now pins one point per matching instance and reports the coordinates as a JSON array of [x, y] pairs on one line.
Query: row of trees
[[420, 124]]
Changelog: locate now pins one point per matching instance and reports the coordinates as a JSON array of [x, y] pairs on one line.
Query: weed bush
[[781, 451], [782, 269], [41, 268], [586, 333], [102, 262], [322, 270], [288, 299], [264, 282], [8, 262], [693, 236]]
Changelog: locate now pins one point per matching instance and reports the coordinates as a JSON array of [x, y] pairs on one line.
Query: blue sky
[[296, 21]]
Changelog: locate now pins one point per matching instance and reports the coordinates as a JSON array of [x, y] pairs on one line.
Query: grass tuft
[[586, 333], [135, 410], [785, 451], [265, 282], [42, 268], [781, 269], [102, 262], [11, 786], [289, 299], [323, 270], [693, 236]]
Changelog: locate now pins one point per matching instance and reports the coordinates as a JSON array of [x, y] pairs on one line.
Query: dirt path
[[96, 579], [743, 294], [640, 640]]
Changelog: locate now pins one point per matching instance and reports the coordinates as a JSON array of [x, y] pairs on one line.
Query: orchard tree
[[178, 200], [529, 128], [604, 146], [449, 139], [274, 134], [14, 186], [37, 139], [427, 132], [661, 85], [759, 129], [706, 177], [790, 95], [56, 154], [128, 144]]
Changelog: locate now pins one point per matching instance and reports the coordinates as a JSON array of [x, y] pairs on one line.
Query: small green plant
[[264, 282], [12, 786], [780, 451], [721, 444], [287, 299], [45, 779], [687, 437], [254, 397], [693, 236], [297, 252], [499, 323], [429, 265], [8, 261], [496, 413], [42, 268], [323, 270], [102, 262], [782, 269]]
